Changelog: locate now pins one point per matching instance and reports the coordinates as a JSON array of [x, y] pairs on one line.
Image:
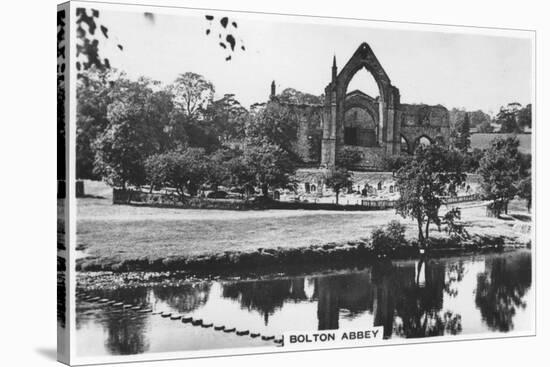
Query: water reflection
[[126, 336], [266, 296], [410, 299], [501, 289], [184, 298]]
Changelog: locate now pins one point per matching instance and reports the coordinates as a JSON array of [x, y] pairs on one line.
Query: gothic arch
[[417, 140], [362, 100], [335, 105], [364, 58]]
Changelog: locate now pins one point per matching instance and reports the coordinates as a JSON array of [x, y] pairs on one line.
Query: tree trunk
[[337, 193], [493, 210], [420, 233], [427, 230], [265, 190]]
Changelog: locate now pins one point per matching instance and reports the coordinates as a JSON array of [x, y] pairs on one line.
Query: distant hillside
[[483, 140]]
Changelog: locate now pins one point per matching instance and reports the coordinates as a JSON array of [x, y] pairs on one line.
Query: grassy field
[[113, 233]]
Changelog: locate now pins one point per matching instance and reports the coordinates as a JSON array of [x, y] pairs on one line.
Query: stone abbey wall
[[311, 180], [376, 127]]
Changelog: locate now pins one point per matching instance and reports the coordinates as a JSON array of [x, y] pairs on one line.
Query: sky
[[453, 66]]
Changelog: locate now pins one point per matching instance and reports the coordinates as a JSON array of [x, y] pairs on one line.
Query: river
[[475, 294]]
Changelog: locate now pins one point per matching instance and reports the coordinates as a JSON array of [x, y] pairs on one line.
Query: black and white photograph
[[239, 182]]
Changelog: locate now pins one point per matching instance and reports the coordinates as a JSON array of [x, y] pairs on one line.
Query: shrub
[[385, 240], [454, 229]]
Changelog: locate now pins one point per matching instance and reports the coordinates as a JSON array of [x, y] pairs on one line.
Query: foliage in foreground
[[423, 182], [385, 240], [500, 169], [338, 179]]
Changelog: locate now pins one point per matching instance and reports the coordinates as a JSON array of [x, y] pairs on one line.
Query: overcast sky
[[456, 68]]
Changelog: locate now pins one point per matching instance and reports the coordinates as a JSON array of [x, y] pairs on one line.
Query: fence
[[172, 200], [461, 199], [378, 204], [388, 204]]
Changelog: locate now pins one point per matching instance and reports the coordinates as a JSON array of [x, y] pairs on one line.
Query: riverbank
[[126, 238]]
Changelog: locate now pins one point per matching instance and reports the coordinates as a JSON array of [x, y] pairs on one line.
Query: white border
[[183, 11]]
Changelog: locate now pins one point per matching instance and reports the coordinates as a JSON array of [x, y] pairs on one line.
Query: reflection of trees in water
[[388, 280], [125, 336], [410, 310], [184, 298], [501, 288], [350, 292], [455, 274], [265, 296], [390, 292]]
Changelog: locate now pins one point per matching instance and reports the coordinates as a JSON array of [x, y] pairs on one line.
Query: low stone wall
[[161, 200]]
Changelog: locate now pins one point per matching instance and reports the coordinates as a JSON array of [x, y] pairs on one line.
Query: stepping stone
[[93, 299], [166, 314], [265, 337], [186, 319], [145, 310], [135, 308], [196, 322], [127, 306], [243, 332], [175, 317], [254, 335], [157, 313], [103, 300], [110, 303], [278, 341], [118, 304], [229, 330], [207, 325], [221, 327]]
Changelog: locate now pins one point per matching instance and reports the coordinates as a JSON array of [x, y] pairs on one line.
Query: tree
[[525, 191], [275, 124], [462, 142], [471, 160], [192, 94], [434, 172], [270, 165], [291, 95], [507, 118], [219, 166], [524, 117], [392, 163], [485, 127], [241, 174], [478, 117], [228, 118], [524, 185], [184, 170], [338, 179], [136, 121], [499, 169], [96, 90], [88, 38], [348, 157], [455, 116]]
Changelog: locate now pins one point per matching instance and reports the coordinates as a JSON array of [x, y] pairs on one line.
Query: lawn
[[113, 233]]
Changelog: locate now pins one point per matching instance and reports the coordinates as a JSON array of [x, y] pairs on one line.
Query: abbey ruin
[[376, 127]]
